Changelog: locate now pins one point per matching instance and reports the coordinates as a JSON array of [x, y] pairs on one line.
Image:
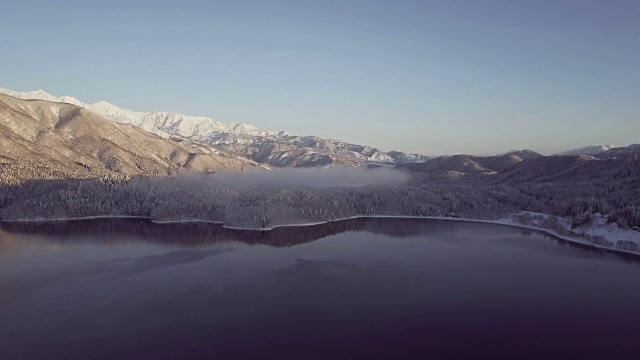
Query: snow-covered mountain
[[53, 140], [161, 122], [473, 165], [277, 148], [587, 150], [623, 152]]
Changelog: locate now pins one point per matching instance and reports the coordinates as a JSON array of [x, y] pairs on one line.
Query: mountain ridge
[[279, 148], [587, 150], [457, 165], [274, 148], [54, 140]]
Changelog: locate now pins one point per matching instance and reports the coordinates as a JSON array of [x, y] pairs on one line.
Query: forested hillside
[[611, 189]]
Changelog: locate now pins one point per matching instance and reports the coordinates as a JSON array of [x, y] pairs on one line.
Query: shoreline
[[548, 232]]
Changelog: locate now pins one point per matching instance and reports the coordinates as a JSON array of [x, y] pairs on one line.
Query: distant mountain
[[555, 168], [587, 150], [52, 140], [450, 165], [566, 175], [160, 122], [472, 165], [274, 148], [605, 151], [404, 158], [524, 154], [627, 152]]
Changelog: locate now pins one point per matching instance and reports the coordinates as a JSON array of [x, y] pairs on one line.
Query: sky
[[432, 77]]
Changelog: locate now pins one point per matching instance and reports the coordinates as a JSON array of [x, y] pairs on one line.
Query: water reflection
[[122, 231], [361, 288]]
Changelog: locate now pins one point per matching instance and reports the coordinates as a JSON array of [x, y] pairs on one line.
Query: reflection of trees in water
[[631, 258], [199, 233]]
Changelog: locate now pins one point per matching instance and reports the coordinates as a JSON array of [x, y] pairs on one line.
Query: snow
[[588, 150], [55, 110], [599, 228], [228, 135], [379, 157], [185, 125]]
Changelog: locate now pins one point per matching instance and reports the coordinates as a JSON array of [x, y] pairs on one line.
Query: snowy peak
[[275, 148], [44, 139], [587, 150], [113, 112], [628, 152], [41, 95], [33, 95], [157, 121]]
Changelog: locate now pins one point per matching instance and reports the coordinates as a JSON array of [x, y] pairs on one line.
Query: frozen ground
[[599, 233]]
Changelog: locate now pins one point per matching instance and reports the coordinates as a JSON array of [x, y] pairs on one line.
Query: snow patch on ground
[[599, 233], [55, 110]]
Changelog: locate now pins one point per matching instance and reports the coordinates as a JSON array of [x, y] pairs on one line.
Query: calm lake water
[[376, 288]]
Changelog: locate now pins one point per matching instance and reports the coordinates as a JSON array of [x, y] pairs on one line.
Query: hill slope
[[268, 147], [472, 165], [43, 139], [592, 150]]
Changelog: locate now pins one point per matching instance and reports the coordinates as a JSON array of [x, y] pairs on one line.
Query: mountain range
[[44, 141], [53, 140], [271, 148], [472, 165], [58, 137], [526, 165], [588, 150]]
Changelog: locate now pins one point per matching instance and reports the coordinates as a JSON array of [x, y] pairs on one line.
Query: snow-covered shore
[[96, 217], [610, 233]]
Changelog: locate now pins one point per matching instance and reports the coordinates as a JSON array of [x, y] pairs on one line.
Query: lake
[[361, 288]]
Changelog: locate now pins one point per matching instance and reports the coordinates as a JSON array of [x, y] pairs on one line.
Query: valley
[[62, 161]]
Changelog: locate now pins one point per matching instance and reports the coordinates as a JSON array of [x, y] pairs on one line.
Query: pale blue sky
[[435, 77]]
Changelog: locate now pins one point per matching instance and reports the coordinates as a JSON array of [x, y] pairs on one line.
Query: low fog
[[306, 177]]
